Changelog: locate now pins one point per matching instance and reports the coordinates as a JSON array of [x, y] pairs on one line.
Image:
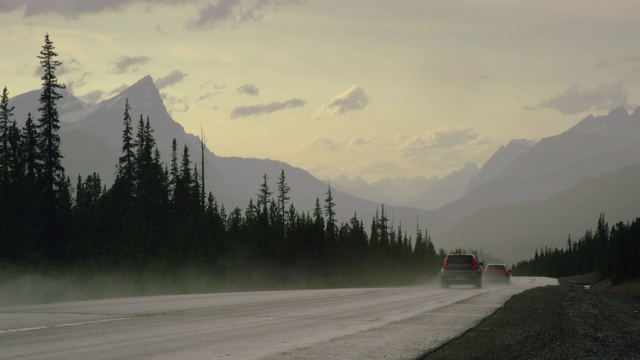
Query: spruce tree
[[126, 162], [29, 143], [283, 194], [264, 196], [330, 212], [52, 182], [52, 172], [6, 112]]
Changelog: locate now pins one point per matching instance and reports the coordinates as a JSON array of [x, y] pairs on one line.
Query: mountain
[[401, 189], [555, 164], [444, 191], [419, 192], [91, 141], [362, 189], [70, 108], [499, 162], [514, 231]]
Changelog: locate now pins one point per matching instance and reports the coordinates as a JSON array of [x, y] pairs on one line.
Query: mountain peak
[[617, 121], [146, 81], [618, 112]]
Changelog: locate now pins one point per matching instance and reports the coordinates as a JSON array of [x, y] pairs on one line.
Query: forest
[[611, 252], [158, 216]]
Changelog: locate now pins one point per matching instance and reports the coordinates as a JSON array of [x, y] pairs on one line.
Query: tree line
[[613, 252], [158, 215]]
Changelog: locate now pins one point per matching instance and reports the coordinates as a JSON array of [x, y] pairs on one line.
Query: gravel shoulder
[[554, 322]]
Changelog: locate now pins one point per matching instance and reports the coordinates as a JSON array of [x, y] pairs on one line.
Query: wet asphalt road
[[385, 323]]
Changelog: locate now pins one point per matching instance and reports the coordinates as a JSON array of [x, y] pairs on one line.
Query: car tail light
[[505, 272], [445, 265], [475, 263]]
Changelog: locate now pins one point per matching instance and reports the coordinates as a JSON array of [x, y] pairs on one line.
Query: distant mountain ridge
[[499, 162], [418, 192], [555, 164], [514, 231], [556, 188]]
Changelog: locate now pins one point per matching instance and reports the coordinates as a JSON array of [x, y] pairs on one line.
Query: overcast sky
[[370, 88]]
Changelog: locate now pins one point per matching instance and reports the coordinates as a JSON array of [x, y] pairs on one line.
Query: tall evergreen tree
[[29, 142], [52, 172], [264, 196], [6, 112], [283, 194], [52, 181], [330, 212], [125, 183], [174, 171]]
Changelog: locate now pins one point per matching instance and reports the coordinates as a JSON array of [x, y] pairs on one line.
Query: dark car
[[497, 273], [461, 269]]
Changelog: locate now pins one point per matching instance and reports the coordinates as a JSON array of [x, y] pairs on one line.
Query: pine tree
[[330, 212], [52, 172], [29, 142], [125, 183], [6, 112], [283, 195]]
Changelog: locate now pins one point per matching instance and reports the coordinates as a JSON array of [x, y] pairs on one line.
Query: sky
[[365, 88]]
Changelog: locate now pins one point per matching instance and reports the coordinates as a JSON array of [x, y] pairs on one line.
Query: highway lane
[[379, 323]]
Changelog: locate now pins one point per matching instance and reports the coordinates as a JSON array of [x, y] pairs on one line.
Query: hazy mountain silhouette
[[362, 189], [418, 192], [445, 190], [514, 231], [595, 146], [499, 162]]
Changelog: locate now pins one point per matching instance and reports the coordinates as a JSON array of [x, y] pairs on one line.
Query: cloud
[[92, 97], [10, 5], [418, 145], [211, 14], [258, 110], [118, 90], [77, 83], [444, 148], [629, 60], [174, 77], [214, 13], [75, 8], [129, 63], [322, 143], [325, 144], [209, 90], [248, 89], [577, 99], [175, 104], [359, 141], [68, 67], [352, 99]]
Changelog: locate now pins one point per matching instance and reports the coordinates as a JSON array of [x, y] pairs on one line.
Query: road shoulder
[[554, 322]]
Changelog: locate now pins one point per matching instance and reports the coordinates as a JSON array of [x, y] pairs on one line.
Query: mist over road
[[389, 323]]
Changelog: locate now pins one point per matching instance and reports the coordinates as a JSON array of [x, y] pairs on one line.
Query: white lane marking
[[88, 322], [10, 331]]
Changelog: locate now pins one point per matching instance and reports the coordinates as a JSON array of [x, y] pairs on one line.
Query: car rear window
[[495, 267], [460, 259]]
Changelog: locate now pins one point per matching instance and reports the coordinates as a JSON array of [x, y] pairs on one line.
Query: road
[[379, 323]]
